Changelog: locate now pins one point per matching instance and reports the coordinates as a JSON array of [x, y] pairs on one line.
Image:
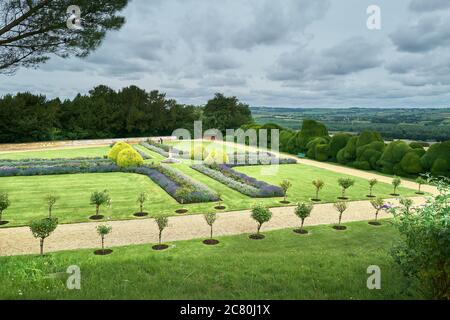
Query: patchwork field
[[27, 193], [324, 265]]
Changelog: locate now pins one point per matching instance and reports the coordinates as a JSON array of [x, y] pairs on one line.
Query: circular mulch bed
[[340, 228], [420, 193], [316, 200], [285, 202], [301, 231], [257, 236], [160, 247], [181, 211], [104, 252], [342, 198], [141, 214], [395, 195], [375, 223], [211, 242], [369, 196], [220, 208], [2, 223], [99, 217]]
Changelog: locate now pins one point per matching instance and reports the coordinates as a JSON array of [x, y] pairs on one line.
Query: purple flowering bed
[[168, 179], [171, 180], [239, 181]]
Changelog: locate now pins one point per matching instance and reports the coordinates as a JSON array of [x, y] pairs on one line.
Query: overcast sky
[[285, 53]]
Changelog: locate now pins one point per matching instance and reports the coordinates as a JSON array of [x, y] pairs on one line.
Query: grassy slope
[[326, 264], [27, 193]]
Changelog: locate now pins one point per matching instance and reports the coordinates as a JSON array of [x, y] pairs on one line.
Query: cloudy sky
[[286, 53]]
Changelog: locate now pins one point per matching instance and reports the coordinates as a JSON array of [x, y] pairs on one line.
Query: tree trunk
[[211, 232], [142, 208], [103, 243], [160, 236], [50, 212], [259, 228], [1, 212], [340, 218], [285, 197], [420, 187], [41, 244], [376, 215], [303, 221], [343, 193], [370, 191], [97, 209], [317, 194]]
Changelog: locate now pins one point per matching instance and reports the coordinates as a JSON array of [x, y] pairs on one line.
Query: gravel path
[[17, 241]]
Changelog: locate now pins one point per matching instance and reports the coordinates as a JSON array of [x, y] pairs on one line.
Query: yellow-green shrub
[[198, 152], [116, 149], [217, 157], [129, 157]]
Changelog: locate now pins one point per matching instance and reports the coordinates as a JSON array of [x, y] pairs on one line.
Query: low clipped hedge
[[154, 148], [239, 181], [51, 162], [171, 180], [168, 179]]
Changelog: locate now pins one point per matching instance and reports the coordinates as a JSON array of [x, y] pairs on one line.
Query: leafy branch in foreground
[[31, 30], [423, 254]]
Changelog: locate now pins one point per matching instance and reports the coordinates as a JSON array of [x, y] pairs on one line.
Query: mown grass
[[56, 153], [27, 193], [326, 264]]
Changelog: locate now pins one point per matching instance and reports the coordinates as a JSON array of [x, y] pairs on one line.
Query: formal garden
[[153, 180]]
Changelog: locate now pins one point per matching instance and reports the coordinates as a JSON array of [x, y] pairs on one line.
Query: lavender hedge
[[144, 155], [50, 162], [153, 148], [167, 178], [239, 181], [171, 180]]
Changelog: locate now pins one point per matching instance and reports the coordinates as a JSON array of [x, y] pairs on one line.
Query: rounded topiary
[[311, 146], [310, 129], [436, 151], [116, 149], [441, 167], [392, 155], [337, 143], [129, 158], [322, 152], [348, 154], [411, 163], [198, 153], [217, 157]]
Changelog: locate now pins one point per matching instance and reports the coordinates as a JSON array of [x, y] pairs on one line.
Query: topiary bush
[[312, 148], [436, 159], [310, 129], [337, 143], [116, 149], [348, 154], [411, 164], [392, 156], [217, 156], [128, 157]]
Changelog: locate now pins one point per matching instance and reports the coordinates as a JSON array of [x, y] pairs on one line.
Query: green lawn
[[59, 153], [326, 264], [27, 193]]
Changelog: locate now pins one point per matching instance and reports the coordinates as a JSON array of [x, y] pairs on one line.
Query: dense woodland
[[105, 113]]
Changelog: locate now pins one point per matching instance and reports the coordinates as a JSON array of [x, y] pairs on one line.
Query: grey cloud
[[220, 62], [429, 33], [428, 5], [351, 56]]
